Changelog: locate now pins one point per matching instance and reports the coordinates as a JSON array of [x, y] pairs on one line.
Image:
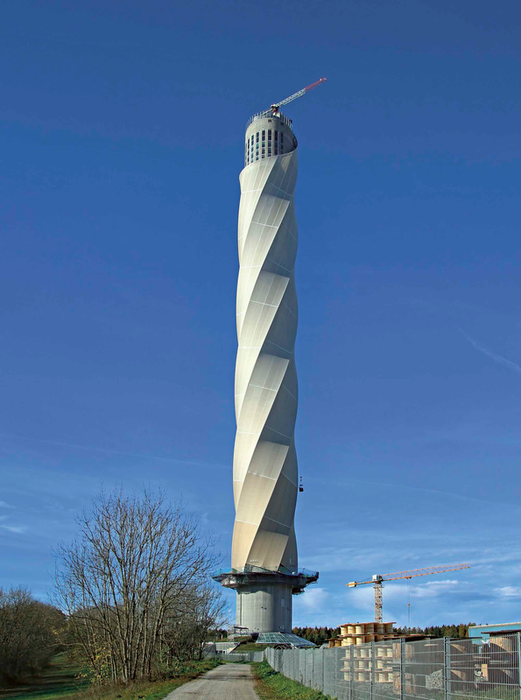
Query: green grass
[[58, 680], [61, 681], [249, 646], [271, 685]]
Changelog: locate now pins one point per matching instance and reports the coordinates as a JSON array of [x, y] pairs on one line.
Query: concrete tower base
[[265, 607], [264, 598]]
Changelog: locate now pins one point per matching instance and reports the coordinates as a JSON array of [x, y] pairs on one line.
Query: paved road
[[226, 682]]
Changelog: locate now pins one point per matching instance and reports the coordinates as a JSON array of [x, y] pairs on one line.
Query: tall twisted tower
[[265, 475]]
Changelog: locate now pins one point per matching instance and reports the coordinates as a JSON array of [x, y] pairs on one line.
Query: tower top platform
[[282, 118], [268, 134]]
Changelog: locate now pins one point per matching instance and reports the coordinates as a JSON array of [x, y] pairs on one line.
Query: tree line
[[317, 635], [29, 634], [133, 595], [455, 631]]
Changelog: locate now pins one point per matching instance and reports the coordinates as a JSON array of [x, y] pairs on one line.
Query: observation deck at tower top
[[268, 134], [276, 115]]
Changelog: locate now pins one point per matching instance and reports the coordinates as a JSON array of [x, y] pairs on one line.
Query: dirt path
[[227, 682]]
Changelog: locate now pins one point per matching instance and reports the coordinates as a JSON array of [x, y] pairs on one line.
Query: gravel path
[[226, 682]]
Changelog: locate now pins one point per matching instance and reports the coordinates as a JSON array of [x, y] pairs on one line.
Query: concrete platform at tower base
[[264, 599]]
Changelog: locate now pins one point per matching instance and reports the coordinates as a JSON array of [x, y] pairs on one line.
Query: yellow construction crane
[[377, 581]]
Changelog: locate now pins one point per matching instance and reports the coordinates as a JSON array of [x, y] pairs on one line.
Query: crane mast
[[377, 581]]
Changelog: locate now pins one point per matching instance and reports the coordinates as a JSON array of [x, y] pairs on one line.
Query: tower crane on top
[[275, 107], [377, 581]]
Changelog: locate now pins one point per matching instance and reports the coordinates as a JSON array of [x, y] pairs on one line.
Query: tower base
[[265, 607], [264, 598]]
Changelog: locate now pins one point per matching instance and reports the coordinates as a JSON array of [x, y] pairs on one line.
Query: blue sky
[[122, 142]]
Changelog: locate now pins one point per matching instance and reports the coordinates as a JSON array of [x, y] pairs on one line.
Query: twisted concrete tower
[[265, 472], [265, 475]]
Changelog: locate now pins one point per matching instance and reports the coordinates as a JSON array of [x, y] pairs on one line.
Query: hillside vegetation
[[62, 679]]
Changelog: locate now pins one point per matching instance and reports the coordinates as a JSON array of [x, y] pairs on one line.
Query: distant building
[[500, 629]]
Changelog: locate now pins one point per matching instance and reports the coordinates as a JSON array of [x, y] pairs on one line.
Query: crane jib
[[277, 105], [378, 580]]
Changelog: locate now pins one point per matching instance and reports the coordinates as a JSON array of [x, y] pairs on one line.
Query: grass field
[[271, 685], [61, 681]]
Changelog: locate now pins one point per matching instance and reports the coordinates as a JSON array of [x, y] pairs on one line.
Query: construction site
[[371, 660], [397, 668]]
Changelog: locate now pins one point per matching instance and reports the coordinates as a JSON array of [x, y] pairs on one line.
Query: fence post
[[446, 664], [519, 662], [351, 672], [373, 670], [322, 684], [402, 669]]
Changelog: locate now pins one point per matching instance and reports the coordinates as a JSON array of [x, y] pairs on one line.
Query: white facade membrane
[[265, 475]]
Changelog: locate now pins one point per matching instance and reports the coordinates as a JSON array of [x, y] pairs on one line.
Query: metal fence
[[245, 656], [430, 669]]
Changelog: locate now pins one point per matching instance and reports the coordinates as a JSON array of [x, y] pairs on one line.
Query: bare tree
[[135, 560], [189, 623], [29, 632]]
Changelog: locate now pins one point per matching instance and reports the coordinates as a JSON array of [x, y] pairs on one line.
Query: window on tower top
[[269, 134]]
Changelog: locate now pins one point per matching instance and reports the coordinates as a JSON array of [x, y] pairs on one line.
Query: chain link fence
[[430, 669], [247, 656]]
